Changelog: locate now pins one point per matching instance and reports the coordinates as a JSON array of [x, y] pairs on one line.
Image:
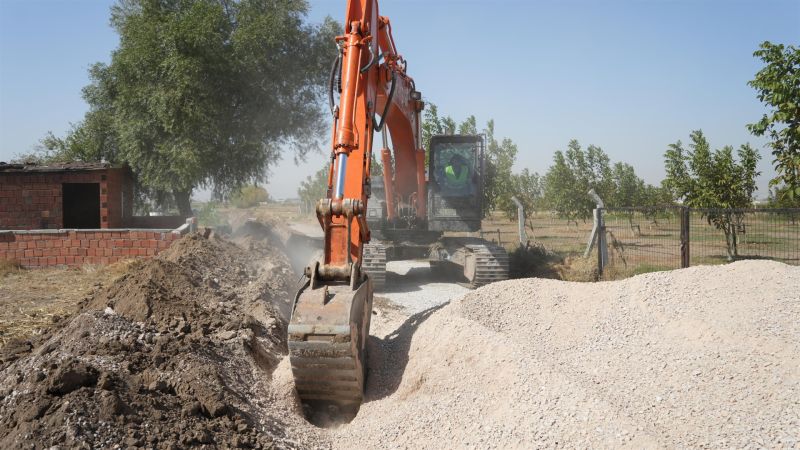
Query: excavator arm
[[330, 320]]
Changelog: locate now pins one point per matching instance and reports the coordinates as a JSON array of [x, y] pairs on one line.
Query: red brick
[[60, 260], [69, 259]]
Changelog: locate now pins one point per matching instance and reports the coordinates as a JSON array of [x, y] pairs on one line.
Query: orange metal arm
[[367, 87]]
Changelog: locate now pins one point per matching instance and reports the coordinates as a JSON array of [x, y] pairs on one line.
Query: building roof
[[60, 167]]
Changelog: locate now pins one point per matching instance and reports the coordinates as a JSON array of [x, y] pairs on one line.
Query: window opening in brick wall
[[81, 205]]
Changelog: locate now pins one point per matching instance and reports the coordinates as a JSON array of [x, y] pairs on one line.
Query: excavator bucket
[[327, 343]]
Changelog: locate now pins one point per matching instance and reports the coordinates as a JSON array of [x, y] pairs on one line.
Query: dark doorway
[[81, 205]]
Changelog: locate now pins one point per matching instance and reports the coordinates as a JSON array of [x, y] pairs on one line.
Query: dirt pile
[[706, 356], [179, 351]]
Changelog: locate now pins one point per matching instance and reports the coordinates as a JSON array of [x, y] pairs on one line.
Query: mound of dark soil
[[178, 352]]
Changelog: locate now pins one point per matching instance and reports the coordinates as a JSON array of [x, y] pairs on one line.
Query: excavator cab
[[455, 183]]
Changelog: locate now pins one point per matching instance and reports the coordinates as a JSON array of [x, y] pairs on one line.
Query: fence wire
[[558, 234], [721, 235], [644, 239]]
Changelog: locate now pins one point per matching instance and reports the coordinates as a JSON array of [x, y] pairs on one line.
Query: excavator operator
[[456, 173]]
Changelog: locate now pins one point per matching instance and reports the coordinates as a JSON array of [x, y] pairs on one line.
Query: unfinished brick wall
[[34, 200], [76, 247]]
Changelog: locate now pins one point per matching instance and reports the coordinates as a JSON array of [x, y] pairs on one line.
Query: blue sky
[[629, 76]]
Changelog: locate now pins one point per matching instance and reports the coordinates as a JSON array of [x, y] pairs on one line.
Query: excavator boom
[[331, 315]]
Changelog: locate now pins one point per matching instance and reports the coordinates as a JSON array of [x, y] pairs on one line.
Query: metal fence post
[[602, 248], [685, 237]]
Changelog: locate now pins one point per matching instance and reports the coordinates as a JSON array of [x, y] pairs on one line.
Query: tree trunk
[[183, 200], [729, 245]]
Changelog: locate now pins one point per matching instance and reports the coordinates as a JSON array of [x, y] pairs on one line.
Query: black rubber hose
[[332, 81], [379, 127], [371, 62]]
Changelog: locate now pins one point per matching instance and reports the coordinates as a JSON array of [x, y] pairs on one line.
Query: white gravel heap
[[706, 356]]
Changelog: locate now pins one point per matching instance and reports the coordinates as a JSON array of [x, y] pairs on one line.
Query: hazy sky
[[628, 76]]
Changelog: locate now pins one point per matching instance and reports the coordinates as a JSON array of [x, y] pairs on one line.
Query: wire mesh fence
[[644, 239], [721, 235], [558, 234]]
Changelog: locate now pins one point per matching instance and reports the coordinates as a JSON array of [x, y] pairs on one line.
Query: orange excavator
[[410, 212]]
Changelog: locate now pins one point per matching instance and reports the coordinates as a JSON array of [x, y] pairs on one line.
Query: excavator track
[[491, 264], [327, 344], [374, 264]]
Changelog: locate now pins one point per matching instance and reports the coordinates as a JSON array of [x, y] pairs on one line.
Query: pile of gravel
[[706, 356]]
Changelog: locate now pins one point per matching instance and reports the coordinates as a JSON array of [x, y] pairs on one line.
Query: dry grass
[[9, 266], [31, 300]]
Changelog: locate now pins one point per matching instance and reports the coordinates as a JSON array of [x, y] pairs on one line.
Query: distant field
[[635, 240]]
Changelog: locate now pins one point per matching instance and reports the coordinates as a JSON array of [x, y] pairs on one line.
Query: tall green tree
[[703, 178], [573, 173], [433, 125], [526, 186], [498, 183], [205, 93], [628, 189], [778, 86]]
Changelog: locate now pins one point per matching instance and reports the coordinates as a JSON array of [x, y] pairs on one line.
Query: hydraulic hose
[[332, 82], [388, 105]]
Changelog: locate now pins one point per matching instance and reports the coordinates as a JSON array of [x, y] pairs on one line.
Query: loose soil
[[177, 352]]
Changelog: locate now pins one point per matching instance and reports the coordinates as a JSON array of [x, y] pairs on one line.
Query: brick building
[[76, 213], [74, 196]]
